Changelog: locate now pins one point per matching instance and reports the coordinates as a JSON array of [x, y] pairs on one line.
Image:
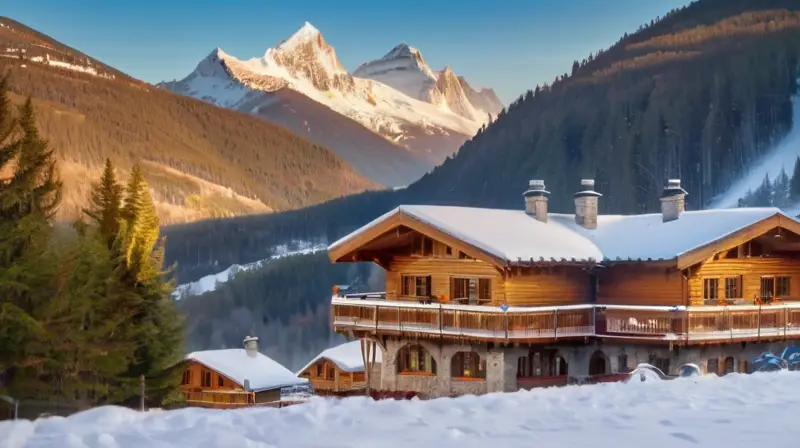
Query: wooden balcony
[[219, 399], [344, 385], [693, 324]]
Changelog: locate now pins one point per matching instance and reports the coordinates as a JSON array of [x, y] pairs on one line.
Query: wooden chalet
[[233, 378], [517, 298], [340, 370]]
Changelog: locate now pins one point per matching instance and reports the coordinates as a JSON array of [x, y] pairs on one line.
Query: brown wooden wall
[[547, 286], [440, 270], [751, 270], [197, 370], [632, 284]]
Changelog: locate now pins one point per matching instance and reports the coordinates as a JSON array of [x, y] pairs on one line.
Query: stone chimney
[[586, 205], [251, 345], [536, 200], [672, 200]]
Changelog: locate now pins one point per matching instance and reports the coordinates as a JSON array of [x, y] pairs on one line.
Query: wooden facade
[[329, 379], [205, 387], [759, 264]]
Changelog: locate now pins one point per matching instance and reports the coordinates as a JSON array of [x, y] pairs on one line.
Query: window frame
[[468, 365], [406, 288], [736, 287], [711, 294], [414, 359]]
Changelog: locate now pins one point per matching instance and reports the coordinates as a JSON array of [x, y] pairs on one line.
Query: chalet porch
[[682, 325]]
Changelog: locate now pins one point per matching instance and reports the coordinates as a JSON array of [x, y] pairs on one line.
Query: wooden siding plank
[[634, 284], [751, 270]]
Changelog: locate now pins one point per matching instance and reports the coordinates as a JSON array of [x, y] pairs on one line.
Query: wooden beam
[[398, 219]]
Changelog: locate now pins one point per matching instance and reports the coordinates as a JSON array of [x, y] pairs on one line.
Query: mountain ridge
[[201, 161], [417, 134]]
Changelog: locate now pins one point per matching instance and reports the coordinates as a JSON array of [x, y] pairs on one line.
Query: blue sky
[[509, 45]]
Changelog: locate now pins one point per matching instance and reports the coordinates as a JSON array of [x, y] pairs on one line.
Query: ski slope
[[781, 157], [733, 411], [209, 282]]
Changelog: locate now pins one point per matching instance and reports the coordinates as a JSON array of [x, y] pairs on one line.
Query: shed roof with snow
[[347, 357]]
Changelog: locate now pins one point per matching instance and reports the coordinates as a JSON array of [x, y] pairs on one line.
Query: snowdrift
[[736, 410]]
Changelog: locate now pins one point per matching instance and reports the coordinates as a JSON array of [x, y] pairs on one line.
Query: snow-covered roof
[[235, 363], [346, 356], [513, 235]]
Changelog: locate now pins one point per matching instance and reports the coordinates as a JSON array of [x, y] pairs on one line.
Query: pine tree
[[105, 204], [7, 126], [28, 201], [158, 327], [780, 195], [762, 197], [794, 189]]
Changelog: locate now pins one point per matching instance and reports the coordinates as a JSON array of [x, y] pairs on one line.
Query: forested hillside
[[200, 161], [698, 94], [286, 304]]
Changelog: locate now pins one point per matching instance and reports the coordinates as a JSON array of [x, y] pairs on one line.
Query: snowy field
[[734, 411]]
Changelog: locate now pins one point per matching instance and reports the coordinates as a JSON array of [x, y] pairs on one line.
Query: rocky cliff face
[[405, 69]]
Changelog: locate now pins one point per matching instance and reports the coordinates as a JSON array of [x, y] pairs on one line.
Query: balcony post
[[785, 320], [759, 322], [505, 325], [555, 324], [376, 317], [439, 317]]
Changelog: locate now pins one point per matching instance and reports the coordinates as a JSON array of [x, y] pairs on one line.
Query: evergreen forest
[[85, 309]]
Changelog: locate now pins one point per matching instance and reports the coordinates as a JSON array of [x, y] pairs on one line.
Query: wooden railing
[[518, 324], [219, 399]]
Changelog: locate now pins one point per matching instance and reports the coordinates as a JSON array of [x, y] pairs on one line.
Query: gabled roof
[[347, 357], [513, 235], [261, 371]]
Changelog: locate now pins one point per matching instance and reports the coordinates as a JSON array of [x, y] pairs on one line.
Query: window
[[729, 365], [319, 370], [187, 377], [468, 365], [415, 359], [622, 363], [463, 256], [767, 288], [783, 286], [220, 381], [423, 246], [743, 366], [448, 251], [712, 366], [541, 363], [331, 373], [471, 290], [710, 289], [415, 286], [484, 290], [597, 364], [206, 376], [661, 364], [733, 287]]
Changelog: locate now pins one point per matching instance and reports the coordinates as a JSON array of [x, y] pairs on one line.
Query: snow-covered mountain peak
[[306, 33], [403, 57], [213, 65]]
